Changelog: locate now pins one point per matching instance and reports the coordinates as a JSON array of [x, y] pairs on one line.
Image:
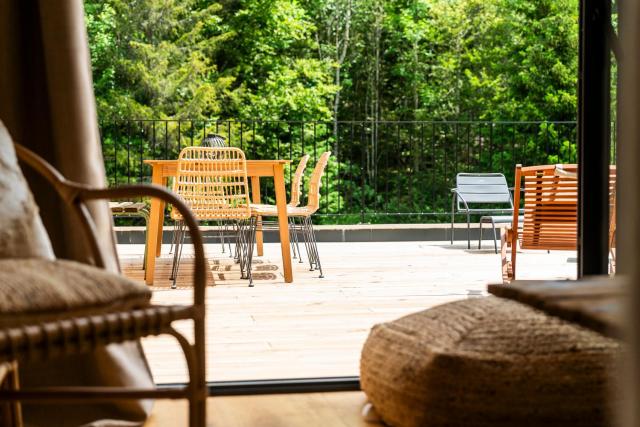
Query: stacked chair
[[294, 201], [302, 214]]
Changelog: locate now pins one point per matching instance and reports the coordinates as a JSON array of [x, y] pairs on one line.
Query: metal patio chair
[[474, 189]]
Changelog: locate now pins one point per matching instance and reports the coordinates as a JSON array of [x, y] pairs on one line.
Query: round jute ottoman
[[487, 362]]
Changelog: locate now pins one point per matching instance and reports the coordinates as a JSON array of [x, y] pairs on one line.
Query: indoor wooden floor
[[284, 410], [316, 327]]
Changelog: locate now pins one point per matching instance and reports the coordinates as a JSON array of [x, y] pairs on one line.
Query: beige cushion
[[22, 234], [487, 362], [35, 290]]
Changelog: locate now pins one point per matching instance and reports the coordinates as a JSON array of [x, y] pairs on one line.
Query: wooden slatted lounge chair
[[552, 219], [54, 308], [550, 212]]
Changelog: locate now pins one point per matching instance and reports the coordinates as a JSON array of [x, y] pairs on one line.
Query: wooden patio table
[[162, 170], [594, 302]]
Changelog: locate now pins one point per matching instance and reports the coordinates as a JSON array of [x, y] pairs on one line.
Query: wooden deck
[[316, 327], [341, 409]]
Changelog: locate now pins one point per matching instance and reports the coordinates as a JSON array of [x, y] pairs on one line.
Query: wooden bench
[[132, 209]]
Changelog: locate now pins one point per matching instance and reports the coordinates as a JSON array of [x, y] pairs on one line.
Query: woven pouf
[[487, 362]]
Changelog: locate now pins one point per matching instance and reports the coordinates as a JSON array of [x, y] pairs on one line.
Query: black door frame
[[594, 136]]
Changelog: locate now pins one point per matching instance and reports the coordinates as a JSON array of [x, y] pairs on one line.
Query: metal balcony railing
[[386, 171]]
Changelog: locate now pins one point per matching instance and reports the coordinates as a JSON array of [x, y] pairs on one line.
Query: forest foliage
[[335, 61]]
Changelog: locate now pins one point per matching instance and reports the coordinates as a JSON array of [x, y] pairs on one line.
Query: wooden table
[[595, 302], [163, 169]]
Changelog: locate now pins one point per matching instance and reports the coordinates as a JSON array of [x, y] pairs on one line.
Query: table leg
[[161, 222], [255, 197], [155, 222], [283, 222]]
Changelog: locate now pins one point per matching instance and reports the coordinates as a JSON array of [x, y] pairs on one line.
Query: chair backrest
[[550, 206], [213, 183], [296, 182], [315, 182], [482, 188]]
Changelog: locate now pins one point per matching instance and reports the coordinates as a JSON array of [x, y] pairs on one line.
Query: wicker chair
[[304, 213], [91, 308], [213, 183]]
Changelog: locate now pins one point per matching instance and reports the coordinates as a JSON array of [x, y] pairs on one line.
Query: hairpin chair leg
[[314, 244], [221, 231], [236, 230], [241, 248], [307, 242], [173, 237], [292, 240], [298, 229], [226, 230], [174, 244], [293, 232], [178, 254], [253, 225]]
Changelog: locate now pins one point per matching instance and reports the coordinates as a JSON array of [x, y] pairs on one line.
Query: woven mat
[[222, 271]]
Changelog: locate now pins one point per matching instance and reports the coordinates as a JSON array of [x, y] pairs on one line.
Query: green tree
[[155, 58]]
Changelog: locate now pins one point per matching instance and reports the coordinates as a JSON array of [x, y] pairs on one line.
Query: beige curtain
[[47, 103]]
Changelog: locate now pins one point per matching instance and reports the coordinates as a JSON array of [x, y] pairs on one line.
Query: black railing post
[[362, 170]]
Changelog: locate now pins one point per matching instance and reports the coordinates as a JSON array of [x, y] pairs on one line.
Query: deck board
[[316, 327]]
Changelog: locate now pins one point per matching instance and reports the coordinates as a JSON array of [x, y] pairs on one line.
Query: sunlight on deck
[[316, 327]]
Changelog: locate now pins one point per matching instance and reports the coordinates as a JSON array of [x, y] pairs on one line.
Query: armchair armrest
[[457, 194], [150, 190], [76, 194]]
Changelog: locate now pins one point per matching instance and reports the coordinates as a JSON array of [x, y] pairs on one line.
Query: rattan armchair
[[60, 334]]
